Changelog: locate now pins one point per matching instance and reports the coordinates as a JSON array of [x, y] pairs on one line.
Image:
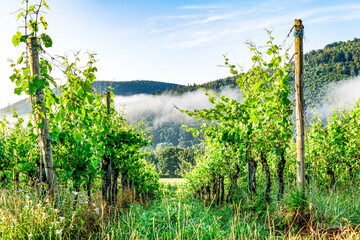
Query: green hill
[[337, 61], [215, 85], [129, 88]]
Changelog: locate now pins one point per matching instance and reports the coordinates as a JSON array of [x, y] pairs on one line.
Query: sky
[[179, 41]]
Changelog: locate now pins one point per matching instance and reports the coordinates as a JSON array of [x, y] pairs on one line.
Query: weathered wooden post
[[300, 108], [38, 101], [108, 173], [106, 163]]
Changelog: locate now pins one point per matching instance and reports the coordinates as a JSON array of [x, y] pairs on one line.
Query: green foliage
[[334, 148], [168, 161], [18, 150], [27, 216], [174, 162], [186, 161], [82, 131], [295, 201], [256, 127]]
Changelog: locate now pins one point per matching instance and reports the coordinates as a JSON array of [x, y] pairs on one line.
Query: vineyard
[[76, 169]]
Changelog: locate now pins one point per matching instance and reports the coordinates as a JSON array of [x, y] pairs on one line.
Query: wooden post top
[[298, 22], [30, 39], [33, 56], [299, 28], [298, 25]]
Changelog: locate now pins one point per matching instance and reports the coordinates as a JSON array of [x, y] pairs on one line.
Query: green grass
[[178, 219], [24, 215]]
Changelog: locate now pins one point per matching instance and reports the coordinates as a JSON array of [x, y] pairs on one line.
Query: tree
[[168, 161]]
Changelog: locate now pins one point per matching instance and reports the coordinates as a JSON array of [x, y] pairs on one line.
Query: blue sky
[[175, 41]]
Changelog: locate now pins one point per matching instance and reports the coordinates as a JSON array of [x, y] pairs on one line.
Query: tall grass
[[25, 215]]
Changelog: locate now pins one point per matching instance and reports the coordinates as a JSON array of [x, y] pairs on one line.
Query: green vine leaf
[[46, 39], [44, 23], [31, 9], [23, 38], [78, 137], [18, 91], [19, 15], [45, 4], [16, 39]]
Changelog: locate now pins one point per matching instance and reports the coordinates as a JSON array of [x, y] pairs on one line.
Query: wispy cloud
[[331, 10], [210, 23], [194, 39], [155, 19], [335, 18], [204, 7]]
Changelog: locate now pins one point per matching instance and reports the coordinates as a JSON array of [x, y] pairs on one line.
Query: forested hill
[[127, 88], [337, 61], [215, 85]]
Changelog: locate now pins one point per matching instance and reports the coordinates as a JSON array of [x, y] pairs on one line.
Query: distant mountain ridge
[[126, 88], [129, 88]]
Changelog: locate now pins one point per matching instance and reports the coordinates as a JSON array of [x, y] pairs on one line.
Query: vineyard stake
[[106, 163], [300, 110], [108, 104], [38, 101]]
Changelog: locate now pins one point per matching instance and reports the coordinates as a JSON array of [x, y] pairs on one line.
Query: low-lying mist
[[341, 94], [162, 107]]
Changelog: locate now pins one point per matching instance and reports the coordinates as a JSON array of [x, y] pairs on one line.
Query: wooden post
[[108, 104], [300, 108], [106, 164], [41, 119]]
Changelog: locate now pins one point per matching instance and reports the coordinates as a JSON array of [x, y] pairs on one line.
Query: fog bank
[[341, 94], [162, 107]]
